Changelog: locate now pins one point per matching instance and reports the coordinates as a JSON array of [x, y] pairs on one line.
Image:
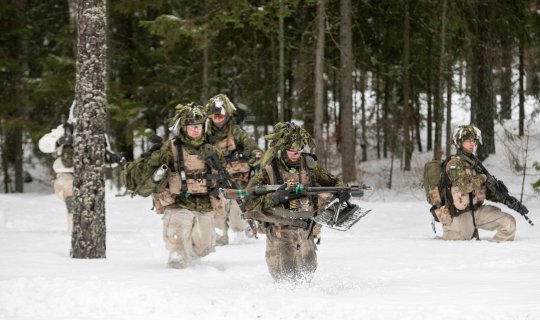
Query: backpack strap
[[207, 152], [181, 167], [277, 173], [310, 164], [446, 187]]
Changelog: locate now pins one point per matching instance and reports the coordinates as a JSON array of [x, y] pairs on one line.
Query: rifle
[[236, 156], [225, 181], [500, 191], [339, 214], [232, 193]]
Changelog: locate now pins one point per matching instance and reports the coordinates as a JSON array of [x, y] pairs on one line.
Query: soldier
[[242, 155], [186, 204], [466, 212], [60, 140], [290, 245]]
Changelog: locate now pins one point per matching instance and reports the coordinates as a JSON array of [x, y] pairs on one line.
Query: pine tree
[[89, 231]]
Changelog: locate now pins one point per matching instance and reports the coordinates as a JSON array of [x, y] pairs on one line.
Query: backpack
[[137, 177], [436, 184], [432, 180]]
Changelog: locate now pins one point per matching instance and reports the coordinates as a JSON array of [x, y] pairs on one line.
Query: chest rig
[[237, 167], [191, 174], [464, 201], [303, 175]]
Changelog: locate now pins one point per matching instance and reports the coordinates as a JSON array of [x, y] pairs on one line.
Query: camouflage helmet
[[190, 113], [287, 135], [220, 104], [466, 132]]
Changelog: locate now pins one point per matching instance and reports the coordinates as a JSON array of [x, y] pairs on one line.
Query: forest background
[[375, 74]]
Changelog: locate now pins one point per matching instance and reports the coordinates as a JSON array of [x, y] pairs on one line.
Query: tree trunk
[[407, 110], [438, 107], [521, 88], [506, 79], [363, 121], [205, 85], [449, 85], [429, 99], [378, 107], [281, 78], [417, 123], [319, 81], [348, 150], [485, 112], [89, 231]]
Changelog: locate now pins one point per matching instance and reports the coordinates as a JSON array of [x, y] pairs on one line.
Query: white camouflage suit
[[63, 182]]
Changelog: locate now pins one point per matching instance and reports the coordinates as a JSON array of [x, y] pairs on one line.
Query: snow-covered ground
[[388, 266]]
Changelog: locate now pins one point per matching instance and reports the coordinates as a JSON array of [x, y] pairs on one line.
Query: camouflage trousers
[[230, 217], [486, 217], [290, 255], [188, 235]]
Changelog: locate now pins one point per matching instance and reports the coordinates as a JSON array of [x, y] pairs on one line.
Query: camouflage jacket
[[199, 203], [264, 203], [465, 181]]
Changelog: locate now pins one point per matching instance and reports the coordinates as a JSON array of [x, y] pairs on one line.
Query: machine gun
[[225, 181], [338, 214], [500, 192]]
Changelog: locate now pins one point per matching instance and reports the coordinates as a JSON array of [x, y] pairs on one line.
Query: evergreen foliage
[[162, 53]]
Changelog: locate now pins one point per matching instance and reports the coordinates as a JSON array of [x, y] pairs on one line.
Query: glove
[[343, 196], [284, 196], [114, 158]]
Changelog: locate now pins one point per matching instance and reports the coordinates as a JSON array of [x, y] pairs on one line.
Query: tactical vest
[[462, 200], [238, 169], [303, 176], [194, 173]]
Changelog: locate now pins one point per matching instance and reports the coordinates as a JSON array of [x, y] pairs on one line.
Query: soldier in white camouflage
[[190, 199], [242, 155], [60, 141], [465, 211], [290, 242]]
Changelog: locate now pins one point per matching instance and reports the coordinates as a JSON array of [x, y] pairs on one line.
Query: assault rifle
[[355, 190], [338, 214], [500, 191], [225, 181]]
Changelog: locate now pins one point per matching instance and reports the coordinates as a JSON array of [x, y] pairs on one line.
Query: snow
[[388, 266]]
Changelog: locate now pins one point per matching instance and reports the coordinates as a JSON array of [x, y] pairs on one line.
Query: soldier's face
[[294, 154], [469, 145], [218, 120], [194, 130]]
